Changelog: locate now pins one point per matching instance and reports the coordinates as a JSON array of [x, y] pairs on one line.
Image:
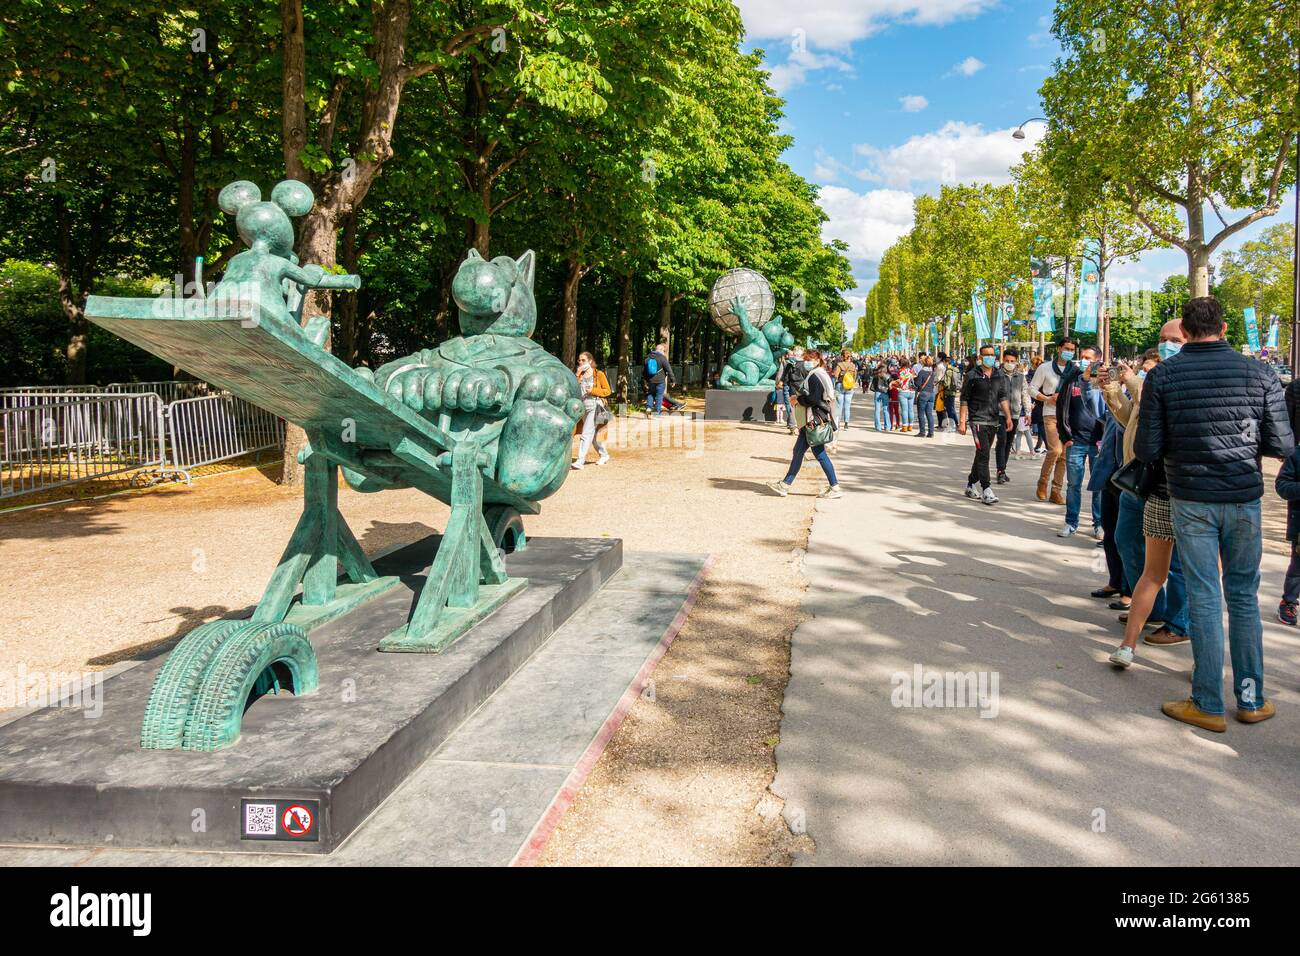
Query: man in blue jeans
[[657, 373], [1210, 413], [1080, 421]]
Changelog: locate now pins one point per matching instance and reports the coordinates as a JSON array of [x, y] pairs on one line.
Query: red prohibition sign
[[296, 820]]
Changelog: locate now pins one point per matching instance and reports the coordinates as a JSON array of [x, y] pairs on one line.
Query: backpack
[[849, 381], [651, 366], [949, 380]]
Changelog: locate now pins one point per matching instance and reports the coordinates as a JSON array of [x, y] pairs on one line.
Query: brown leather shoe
[[1189, 713], [1164, 637], [1263, 712], [1041, 493], [1058, 497]]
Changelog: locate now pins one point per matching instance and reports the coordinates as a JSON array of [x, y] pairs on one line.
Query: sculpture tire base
[[506, 525], [199, 697]]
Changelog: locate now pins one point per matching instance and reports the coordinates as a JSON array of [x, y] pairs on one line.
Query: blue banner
[[981, 311], [934, 335], [1089, 304], [1273, 327], [1252, 328], [1044, 295]]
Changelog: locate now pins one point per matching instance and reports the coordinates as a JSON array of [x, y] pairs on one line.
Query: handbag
[[1137, 478], [817, 435], [603, 414]]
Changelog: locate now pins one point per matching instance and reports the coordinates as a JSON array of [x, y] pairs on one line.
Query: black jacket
[[983, 395], [1292, 395], [1211, 413], [1288, 486], [665, 369], [1075, 418]]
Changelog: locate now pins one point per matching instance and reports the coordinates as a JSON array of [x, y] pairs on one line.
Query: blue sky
[[887, 99]]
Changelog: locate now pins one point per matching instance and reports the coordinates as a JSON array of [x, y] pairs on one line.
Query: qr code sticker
[[259, 819]]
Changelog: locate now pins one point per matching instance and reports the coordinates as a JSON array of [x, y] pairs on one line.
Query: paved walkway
[[1075, 763]]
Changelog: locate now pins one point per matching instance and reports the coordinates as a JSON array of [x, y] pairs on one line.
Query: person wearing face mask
[[985, 407], [817, 397], [595, 419], [1144, 541], [1080, 421], [1018, 389], [1043, 388], [1209, 414], [1168, 611]]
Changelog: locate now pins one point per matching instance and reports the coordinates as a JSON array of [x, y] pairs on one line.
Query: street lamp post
[[1295, 270]]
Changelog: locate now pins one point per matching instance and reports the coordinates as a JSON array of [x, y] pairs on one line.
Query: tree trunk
[[346, 347], [72, 296], [569, 342], [665, 318], [623, 339]]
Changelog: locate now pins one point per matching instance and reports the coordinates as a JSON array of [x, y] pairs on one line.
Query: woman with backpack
[[817, 398], [596, 415], [846, 379]]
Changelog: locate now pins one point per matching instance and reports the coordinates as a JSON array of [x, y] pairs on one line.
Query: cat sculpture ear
[[473, 254], [526, 266]]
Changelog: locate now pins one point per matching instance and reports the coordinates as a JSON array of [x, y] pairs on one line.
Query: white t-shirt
[[1045, 382]]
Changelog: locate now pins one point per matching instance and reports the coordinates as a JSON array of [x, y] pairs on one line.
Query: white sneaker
[[1066, 532], [603, 460], [989, 498], [1096, 532], [576, 466], [1123, 656], [780, 487], [973, 491], [832, 492]]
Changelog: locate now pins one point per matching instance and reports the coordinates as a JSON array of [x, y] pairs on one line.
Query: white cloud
[[955, 153], [913, 103], [967, 67], [869, 222], [838, 23], [793, 72]]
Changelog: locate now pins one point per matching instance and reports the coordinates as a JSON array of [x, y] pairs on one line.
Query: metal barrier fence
[[47, 444], [212, 428], [54, 436], [167, 391]]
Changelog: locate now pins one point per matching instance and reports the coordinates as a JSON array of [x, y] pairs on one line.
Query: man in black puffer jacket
[[1210, 414]]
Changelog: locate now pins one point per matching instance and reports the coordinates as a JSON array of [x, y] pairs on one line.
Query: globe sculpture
[[752, 289], [742, 304]]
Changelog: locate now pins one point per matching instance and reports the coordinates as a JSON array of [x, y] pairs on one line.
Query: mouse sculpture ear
[[293, 197], [526, 266], [237, 195]]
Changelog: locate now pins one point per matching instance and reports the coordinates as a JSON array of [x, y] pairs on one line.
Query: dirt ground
[[684, 780]]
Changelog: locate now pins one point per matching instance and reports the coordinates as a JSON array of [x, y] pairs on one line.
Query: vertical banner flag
[[952, 327], [1044, 306], [1252, 328], [934, 335], [981, 310], [1089, 305], [1273, 326]]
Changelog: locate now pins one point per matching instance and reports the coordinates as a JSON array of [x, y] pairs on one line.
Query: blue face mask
[[1067, 355], [1082, 364], [989, 360], [1169, 349], [1142, 374], [808, 365]]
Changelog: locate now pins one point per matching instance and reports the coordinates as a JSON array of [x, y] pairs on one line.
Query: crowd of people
[[1168, 446]]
